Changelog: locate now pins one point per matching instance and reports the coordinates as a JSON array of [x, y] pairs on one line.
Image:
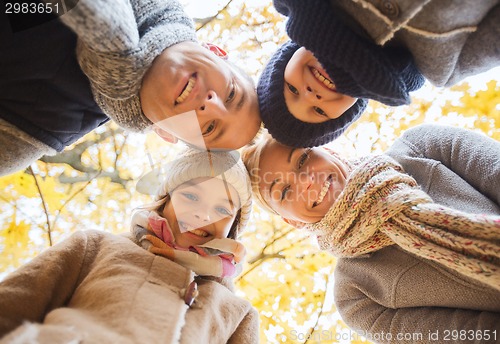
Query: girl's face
[[310, 94], [300, 184], [201, 210], [188, 78]]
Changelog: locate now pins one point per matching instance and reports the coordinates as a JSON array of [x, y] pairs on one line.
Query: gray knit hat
[[278, 120], [115, 67], [192, 164]]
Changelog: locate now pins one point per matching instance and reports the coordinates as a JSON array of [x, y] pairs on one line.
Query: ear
[[164, 134], [216, 50], [294, 223]]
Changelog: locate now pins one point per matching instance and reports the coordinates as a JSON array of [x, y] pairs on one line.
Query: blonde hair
[[250, 155]]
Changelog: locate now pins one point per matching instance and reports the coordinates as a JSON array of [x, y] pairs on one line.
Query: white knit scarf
[[381, 206]]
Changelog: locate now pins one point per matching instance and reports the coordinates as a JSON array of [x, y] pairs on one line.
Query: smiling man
[[137, 62]]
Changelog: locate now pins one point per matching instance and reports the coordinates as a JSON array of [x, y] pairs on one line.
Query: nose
[[305, 182], [212, 105], [312, 94], [202, 215]]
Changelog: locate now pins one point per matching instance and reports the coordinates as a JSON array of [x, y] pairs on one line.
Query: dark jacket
[[42, 88]]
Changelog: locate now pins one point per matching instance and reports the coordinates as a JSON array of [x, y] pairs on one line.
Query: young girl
[[343, 52], [97, 287], [408, 263]]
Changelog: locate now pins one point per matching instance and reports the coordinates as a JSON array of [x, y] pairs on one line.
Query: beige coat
[[449, 39], [97, 287], [393, 292]]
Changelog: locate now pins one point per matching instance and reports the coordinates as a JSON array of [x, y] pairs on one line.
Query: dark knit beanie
[[280, 123]]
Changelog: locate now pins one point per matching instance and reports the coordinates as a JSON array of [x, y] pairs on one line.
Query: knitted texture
[[358, 67], [217, 257], [192, 164], [117, 43], [280, 123], [381, 206]]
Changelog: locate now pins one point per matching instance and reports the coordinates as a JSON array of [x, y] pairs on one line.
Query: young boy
[[137, 62], [343, 52], [97, 287], [386, 289]]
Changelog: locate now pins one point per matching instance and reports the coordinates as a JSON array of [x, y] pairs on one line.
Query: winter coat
[[97, 287], [449, 39], [43, 91], [393, 293]]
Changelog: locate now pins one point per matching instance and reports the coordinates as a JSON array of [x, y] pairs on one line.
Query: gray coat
[[449, 39], [394, 292]]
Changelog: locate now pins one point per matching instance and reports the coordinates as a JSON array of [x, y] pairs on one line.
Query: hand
[[159, 247], [239, 252]]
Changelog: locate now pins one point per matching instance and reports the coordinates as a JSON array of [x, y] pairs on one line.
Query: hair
[[162, 199], [250, 155]]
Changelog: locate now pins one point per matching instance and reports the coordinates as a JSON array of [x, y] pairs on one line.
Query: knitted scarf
[[381, 206], [217, 257], [358, 67]]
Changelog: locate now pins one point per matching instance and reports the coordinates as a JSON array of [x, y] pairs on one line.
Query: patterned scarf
[[381, 206], [217, 257]]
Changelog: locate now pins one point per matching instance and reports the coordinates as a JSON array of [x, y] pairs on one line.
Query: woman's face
[[201, 210], [300, 184], [187, 78], [310, 94]]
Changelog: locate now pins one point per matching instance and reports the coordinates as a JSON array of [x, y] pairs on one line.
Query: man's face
[[310, 94], [300, 184], [186, 77]]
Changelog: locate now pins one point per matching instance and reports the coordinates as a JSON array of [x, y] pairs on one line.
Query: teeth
[[187, 91], [323, 192], [199, 232], [327, 82]]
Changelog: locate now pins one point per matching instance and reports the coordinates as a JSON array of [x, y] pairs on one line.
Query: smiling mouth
[[322, 79], [198, 232], [324, 190], [187, 90]]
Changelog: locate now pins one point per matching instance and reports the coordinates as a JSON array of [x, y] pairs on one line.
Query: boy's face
[[300, 184], [187, 77], [310, 95], [201, 210]]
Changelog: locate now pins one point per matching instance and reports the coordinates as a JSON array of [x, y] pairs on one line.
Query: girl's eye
[[232, 95], [303, 158], [209, 128], [223, 211], [292, 89], [284, 192], [190, 196], [319, 111]]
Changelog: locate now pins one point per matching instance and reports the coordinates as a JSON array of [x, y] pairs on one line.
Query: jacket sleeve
[[45, 283], [472, 156], [414, 324], [248, 330], [117, 26], [481, 50]]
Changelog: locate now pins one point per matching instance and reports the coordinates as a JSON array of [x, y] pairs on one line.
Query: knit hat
[[192, 164], [138, 32], [358, 67], [278, 120]]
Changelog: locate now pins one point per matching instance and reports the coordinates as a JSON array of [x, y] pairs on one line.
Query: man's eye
[[209, 128], [232, 95], [284, 192], [320, 111], [303, 158], [292, 89]]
